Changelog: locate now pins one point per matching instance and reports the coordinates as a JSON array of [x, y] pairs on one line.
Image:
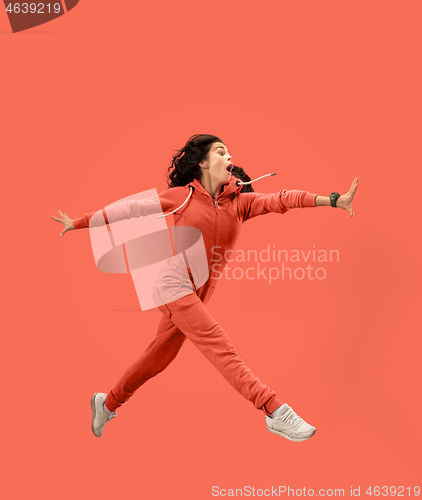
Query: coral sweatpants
[[188, 317]]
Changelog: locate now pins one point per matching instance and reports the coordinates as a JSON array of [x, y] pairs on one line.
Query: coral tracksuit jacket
[[218, 220]]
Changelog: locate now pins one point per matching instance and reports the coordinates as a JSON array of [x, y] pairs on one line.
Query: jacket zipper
[[216, 206], [215, 203]]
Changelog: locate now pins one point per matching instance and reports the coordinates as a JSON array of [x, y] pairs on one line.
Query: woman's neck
[[214, 189]]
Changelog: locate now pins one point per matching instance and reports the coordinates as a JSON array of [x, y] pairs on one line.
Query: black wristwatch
[[333, 199]]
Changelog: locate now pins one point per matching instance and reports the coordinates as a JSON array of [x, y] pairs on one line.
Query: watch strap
[[333, 199]]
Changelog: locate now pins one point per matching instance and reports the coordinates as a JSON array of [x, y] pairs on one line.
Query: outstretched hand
[[345, 201], [66, 221]]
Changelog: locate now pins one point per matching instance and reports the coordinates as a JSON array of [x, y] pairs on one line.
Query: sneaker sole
[[94, 413], [296, 440]]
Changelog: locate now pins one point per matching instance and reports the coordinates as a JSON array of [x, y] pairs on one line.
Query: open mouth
[[229, 168]]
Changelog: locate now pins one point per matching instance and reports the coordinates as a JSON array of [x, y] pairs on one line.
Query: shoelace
[[108, 418], [291, 418]]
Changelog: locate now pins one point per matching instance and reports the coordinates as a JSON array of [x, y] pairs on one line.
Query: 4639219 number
[[392, 491], [33, 8]]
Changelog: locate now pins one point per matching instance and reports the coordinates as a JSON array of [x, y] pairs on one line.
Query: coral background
[[93, 105]]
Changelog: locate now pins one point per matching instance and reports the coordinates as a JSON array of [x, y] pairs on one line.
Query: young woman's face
[[220, 162]]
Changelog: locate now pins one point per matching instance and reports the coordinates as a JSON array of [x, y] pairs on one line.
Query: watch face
[[333, 199]]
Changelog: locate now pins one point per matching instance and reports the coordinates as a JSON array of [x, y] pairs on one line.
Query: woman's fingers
[[354, 186], [352, 192], [66, 221], [64, 230], [64, 217], [58, 220]]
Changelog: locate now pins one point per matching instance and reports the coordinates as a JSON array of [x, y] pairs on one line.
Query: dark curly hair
[[184, 167]]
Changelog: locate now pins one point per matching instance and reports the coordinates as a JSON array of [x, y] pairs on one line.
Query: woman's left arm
[[345, 200]]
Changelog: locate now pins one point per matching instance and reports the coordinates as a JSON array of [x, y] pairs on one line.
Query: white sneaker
[[288, 424], [99, 413]]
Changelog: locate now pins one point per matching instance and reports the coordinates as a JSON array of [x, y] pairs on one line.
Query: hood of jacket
[[228, 189]]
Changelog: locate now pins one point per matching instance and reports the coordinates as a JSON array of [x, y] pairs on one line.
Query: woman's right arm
[[163, 202], [113, 213], [120, 211]]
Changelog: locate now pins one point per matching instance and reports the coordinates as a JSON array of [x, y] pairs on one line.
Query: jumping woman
[[205, 191]]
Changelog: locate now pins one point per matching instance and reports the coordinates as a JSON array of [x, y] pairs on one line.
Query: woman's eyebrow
[[223, 147]]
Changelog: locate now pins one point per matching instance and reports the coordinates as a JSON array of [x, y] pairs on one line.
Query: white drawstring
[[240, 183], [190, 192]]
